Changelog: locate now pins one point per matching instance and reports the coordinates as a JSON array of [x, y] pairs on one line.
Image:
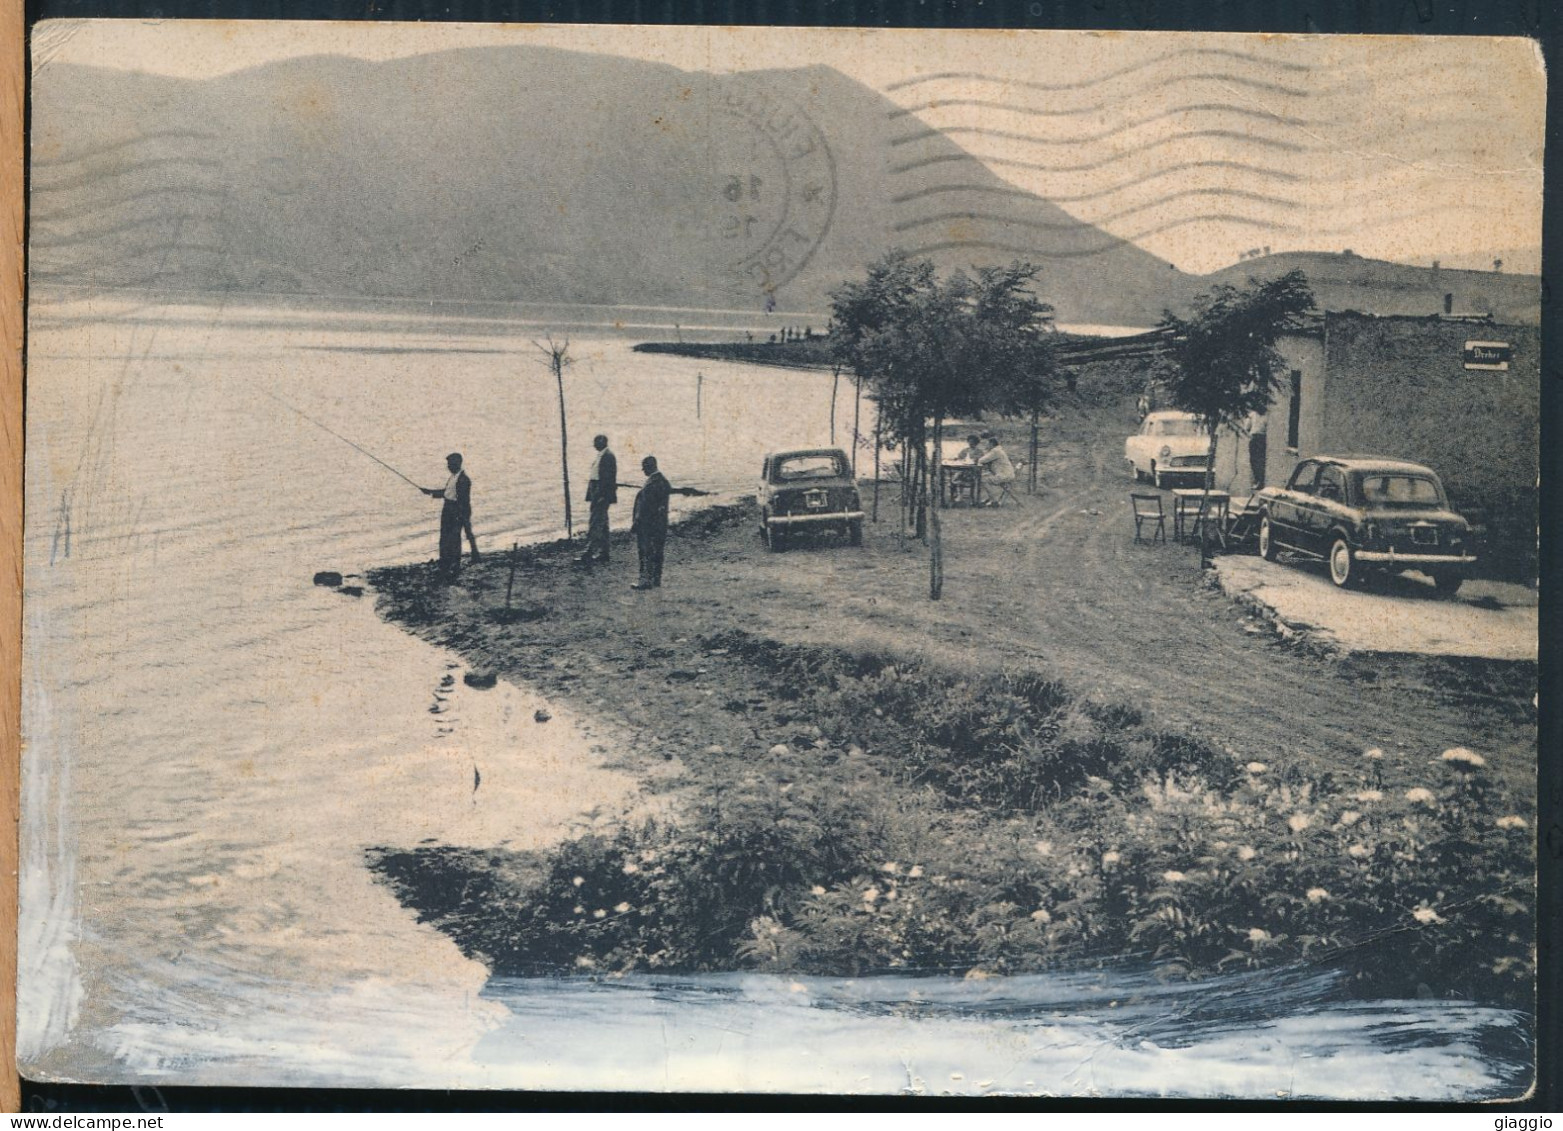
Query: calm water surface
[[213, 741]]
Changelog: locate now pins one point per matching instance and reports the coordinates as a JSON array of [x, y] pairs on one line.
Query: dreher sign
[[1488, 355]]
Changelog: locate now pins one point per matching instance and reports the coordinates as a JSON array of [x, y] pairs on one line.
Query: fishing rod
[[343, 438], [692, 492]]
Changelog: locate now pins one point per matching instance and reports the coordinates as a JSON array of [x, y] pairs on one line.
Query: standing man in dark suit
[[651, 524], [455, 516], [602, 491]]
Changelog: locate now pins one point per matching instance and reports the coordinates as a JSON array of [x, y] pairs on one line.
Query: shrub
[[996, 822]]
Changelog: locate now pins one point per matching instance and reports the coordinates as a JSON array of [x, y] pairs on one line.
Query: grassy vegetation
[[923, 821]]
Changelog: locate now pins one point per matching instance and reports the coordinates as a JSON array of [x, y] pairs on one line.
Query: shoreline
[[848, 783]]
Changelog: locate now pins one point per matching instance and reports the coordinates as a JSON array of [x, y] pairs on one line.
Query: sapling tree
[[933, 349], [1017, 340], [558, 355], [1222, 363]]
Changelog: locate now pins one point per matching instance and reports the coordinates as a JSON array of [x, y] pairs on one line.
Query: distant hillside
[[1350, 282], [505, 174], [530, 174]]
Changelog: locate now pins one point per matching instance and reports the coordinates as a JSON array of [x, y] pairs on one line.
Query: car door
[[1325, 509], [1136, 448], [1288, 506]]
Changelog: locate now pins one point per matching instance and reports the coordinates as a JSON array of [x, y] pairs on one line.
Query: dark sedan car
[[806, 491], [1359, 513]]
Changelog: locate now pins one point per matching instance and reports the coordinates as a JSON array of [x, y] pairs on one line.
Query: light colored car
[[1360, 513], [1168, 444]]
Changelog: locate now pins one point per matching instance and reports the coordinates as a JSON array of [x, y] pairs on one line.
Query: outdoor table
[[949, 470], [1186, 501]]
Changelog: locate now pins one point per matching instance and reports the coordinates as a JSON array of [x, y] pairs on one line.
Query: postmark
[[773, 188]]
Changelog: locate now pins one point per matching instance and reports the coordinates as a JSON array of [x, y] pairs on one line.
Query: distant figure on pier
[[455, 517], [651, 524], [602, 491]]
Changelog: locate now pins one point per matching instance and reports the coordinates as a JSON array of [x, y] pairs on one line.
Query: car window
[[1177, 428], [793, 468], [1303, 477], [1400, 490], [1331, 484]]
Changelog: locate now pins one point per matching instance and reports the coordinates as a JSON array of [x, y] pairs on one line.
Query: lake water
[[212, 742]]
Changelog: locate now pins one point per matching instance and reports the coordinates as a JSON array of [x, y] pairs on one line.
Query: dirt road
[[1055, 583]]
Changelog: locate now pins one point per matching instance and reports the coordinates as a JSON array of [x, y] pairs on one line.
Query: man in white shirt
[[602, 491], [997, 470], [455, 516]]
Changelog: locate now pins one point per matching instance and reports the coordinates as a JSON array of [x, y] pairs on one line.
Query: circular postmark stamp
[[774, 191]]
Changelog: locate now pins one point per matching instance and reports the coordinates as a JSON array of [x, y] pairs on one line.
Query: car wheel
[[1448, 584], [1134, 470], [1267, 546], [775, 540], [855, 532], [1344, 570]]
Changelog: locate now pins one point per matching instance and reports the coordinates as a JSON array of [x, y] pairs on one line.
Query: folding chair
[[962, 486], [1005, 491], [1147, 508], [1243, 523]]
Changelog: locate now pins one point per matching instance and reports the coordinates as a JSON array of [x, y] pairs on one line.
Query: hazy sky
[[1197, 147]]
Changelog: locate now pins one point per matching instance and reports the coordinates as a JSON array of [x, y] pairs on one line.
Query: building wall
[[1399, 387], [1304, 354]]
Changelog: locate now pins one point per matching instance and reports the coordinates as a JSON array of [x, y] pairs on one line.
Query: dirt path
[[1054, 583], [1061, 581]]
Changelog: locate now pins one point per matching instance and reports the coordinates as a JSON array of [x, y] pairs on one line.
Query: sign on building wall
[[1488, 355]]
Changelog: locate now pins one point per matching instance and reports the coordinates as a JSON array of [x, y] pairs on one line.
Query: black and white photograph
[[781, 560]]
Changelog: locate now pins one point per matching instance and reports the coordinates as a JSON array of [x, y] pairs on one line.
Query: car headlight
[[1166, 450]]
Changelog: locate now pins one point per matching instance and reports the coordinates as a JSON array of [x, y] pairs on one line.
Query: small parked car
[[806, 491], [1168, 444], [1360, 513]]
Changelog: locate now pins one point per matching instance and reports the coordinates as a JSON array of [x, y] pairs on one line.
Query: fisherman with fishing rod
[[456, 495], [455, 517]]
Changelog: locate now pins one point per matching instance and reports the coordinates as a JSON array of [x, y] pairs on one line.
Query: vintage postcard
[[781, 560]]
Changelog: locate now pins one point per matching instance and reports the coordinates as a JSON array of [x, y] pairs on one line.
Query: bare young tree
[[558, 355]]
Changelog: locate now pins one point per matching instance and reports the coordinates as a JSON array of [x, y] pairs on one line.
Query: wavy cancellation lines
[[1257, 146], [128, 212]]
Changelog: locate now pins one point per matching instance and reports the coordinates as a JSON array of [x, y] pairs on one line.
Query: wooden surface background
[[13, 90]]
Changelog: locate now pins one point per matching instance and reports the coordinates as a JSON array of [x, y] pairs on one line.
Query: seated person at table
[[963, 478], [997, 470]]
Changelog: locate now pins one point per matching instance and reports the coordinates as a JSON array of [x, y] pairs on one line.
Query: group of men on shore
[[649, 525]]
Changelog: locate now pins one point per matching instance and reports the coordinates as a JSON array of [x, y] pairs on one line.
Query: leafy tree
[[1222, 362], [931, 349], [1020, 363]]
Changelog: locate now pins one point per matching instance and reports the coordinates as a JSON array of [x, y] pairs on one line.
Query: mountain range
[[531, 174]]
